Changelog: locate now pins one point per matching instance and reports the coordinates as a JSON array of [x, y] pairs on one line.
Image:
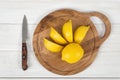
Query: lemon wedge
[[51, 46], [80, 33], [55, 36], [72, 53], [67, 31]]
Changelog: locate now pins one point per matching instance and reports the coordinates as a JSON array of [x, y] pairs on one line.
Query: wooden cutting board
[[91, 43]]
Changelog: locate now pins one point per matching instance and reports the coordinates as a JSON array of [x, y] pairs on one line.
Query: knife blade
[[24, 44]]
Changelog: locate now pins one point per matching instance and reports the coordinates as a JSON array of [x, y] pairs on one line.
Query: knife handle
[[24, 56]]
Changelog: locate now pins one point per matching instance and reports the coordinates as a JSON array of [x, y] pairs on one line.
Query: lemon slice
[[67, 31], [72, 53], [51, 46], [55, 36], [80, 33]]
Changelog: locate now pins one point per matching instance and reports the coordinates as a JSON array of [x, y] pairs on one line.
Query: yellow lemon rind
[[55, 36], [72, 53], [67, 31], [80, 33], [51, 46]]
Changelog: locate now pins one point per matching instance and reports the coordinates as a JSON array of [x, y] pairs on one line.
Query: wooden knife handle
[[24, 56]]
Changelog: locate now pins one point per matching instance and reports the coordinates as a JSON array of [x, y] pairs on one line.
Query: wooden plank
[[11, 40], [66, 78], [12, 11], [11, 15], [10, 55], [10, 62], [52, 78]]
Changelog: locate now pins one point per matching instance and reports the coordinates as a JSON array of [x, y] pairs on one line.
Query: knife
[[24, 44]]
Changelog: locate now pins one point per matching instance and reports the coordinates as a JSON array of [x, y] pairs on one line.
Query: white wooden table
[[106, 64]]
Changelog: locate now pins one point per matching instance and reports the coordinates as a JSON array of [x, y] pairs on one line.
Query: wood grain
[[24, 56], [90, 44], [106, 63]]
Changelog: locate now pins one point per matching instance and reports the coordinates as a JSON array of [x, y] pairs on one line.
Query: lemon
[[55, 36], [80, 33], [72, 53], [53, 47], [67, 31]]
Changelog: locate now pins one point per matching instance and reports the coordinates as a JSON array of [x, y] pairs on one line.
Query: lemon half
[[72, 53]]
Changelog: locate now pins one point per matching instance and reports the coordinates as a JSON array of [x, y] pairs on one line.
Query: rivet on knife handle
[[24, 56]]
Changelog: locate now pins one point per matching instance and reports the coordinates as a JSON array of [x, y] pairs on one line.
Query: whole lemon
[[72, 53]]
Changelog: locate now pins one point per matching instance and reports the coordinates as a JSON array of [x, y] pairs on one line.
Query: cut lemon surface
[[51, 46], [67, 31], [55, 36]]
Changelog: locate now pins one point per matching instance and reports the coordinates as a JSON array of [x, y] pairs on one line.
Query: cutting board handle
[[107, 26]]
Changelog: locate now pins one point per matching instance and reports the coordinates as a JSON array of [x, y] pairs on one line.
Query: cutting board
[[91, 43]]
